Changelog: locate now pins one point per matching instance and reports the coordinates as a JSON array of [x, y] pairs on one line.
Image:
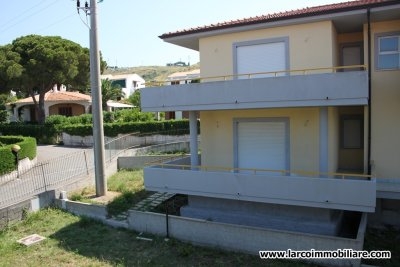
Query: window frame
[[378, 37]]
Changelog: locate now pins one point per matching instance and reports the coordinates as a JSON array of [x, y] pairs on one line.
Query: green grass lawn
[[127, 182], [76, 241]]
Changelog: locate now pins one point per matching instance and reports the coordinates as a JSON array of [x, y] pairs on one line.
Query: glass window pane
[[388, 44], [389, 61]]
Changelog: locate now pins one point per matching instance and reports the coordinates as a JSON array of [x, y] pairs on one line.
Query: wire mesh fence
[[46, 176], [52, 174]]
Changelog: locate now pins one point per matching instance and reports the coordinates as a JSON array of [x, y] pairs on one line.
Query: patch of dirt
[[107, 198]]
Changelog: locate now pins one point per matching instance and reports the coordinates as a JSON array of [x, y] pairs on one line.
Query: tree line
[[33, 64]]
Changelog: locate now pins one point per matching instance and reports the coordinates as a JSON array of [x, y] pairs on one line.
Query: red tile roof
[[304, 12], [63, 96]]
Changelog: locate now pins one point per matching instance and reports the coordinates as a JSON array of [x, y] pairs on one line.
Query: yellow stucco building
[[299, 119]]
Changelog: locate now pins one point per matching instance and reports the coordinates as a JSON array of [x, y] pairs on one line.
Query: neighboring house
[[300, 132], [128, 82], [177, 78], [55, 103]]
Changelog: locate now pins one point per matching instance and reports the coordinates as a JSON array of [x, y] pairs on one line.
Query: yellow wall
[[310, 46], [385, 108], [347, 38], [217, 135]]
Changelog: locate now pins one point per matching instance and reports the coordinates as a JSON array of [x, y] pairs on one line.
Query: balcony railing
[[263, 74], [293, 173], [345, 191], [316, 87]]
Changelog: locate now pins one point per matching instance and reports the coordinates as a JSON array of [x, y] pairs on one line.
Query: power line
[[57, 22], [23, 13], [27, 17]]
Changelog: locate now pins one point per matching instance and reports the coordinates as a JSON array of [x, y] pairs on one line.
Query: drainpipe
[[369, 89]]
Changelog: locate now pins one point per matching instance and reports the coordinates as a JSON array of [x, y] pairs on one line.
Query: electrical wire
[[27, 17], [21, 14], [56, 22]]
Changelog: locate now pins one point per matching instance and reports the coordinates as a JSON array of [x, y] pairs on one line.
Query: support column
[[366, 139], [323, 140], [194, 157], [15, 112]]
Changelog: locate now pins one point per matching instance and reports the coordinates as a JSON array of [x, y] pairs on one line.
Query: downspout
[[369, 89]]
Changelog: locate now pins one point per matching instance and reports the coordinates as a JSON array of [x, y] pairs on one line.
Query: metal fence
[[52, 174], [46, 176]]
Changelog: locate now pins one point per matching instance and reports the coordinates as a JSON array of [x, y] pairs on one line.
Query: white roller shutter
[[266, 57], [262, 145]]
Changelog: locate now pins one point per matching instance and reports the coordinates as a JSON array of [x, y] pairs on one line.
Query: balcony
[[297, 88], [339, 191]]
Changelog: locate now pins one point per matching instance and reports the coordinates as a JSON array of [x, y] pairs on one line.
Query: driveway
[[48, 152]]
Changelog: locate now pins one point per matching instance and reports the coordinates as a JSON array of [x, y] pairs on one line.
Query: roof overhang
[[345, 22]]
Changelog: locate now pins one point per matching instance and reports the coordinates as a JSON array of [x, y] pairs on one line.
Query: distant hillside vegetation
[[152, 73]]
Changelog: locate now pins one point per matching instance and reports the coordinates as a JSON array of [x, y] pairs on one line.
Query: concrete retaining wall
[[24, 165], [78, 208], [17, 212], [139, 158], [14, 213], [243, 238], [224, 235], [174, 146]]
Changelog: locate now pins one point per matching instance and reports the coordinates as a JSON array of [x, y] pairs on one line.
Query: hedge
[[173, 127], [47, 133], [44, 134], [28, 150]]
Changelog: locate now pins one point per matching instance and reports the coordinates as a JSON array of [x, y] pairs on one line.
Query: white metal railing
[[269, 74], [255, 171]]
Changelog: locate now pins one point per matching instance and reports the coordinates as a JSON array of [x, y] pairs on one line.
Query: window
[[121, 83], [269, 55], [66, 111], [388, 51]]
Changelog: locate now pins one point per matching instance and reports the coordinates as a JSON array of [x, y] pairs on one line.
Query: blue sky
[[129, 29]]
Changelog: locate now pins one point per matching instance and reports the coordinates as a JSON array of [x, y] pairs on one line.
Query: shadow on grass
[[119, 247], [92, 239], [125, 201]]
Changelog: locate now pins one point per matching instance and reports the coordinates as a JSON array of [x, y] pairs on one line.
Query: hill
[[152, 73]]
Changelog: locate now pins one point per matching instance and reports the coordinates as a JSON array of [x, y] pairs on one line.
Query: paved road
[[48, 152], [60, 165]]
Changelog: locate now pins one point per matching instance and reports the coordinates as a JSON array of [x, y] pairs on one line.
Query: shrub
[[56, 120], [28, 149], [44, 134], [78, 129], [175, 127]]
